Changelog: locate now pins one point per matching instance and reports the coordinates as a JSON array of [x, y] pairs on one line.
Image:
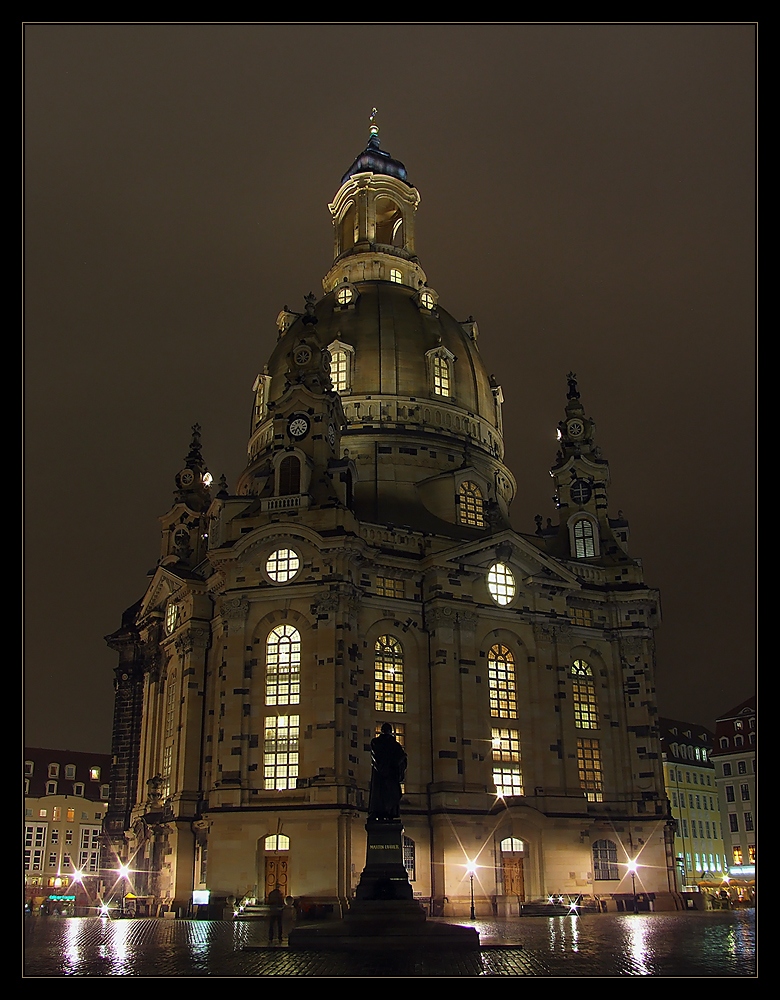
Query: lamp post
[[632, 869], [471, 869]]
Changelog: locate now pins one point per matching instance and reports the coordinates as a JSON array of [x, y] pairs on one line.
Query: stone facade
[[365, 570]]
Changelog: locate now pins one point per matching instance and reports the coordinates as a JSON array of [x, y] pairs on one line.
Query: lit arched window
[[584, 539], [586, 714], [289, 476], [589, 768], [283, 666], [389, 223], [388, 675], [339, 370], [277, 842], [501, 681], [471, 506], [441, 376], [395, 276]]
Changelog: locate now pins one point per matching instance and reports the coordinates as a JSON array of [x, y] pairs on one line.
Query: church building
[[362, 571]]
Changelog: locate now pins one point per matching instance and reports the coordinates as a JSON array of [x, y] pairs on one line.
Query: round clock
[[302, 356], [581, 491], [575, 428], [298, 427], [187, 477]]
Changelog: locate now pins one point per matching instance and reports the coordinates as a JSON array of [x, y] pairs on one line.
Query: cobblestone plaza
[[695, 945]]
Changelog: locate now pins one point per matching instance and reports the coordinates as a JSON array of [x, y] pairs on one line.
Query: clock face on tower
[[302, 356], [298, 426], [187, 477], [575, 428]]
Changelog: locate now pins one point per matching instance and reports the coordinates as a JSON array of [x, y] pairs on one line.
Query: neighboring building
[[364, 570], [690, 785], [735, 773], [65, 801]]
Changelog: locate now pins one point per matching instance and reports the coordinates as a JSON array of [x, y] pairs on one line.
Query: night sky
[[588, 195]]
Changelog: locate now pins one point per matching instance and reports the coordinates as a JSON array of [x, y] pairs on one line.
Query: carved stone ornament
[[195, 637], [234, 612], [436, 617]]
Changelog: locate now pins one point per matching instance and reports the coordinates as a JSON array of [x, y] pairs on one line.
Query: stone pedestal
[[384, 915]]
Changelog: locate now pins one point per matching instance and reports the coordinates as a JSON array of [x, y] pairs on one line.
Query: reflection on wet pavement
[[710, 944]]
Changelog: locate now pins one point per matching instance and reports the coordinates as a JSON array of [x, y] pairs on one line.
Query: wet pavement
[[711, 944]]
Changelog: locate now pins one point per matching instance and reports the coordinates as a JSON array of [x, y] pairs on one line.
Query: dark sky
[[587, 194]]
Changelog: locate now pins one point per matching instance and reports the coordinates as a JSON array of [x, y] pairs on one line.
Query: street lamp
[[471, 869], [632, 866]]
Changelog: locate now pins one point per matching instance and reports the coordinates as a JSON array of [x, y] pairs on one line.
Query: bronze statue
[[388, 769]]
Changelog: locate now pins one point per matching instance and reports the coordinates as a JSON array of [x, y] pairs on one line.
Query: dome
[[391, 339]]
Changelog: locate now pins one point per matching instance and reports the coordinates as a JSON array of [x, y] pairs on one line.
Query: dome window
[[395, 276], [341, 357], [471, 505], [583, 538], [440, 362]]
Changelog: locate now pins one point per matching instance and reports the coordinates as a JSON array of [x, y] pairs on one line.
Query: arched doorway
[[277, 853], [512, 874]]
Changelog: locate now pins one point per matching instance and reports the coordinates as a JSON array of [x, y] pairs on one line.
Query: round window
[[282, 565], [501, 583]]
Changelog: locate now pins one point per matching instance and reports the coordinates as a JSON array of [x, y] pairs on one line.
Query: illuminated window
[[737, 855], [388, 675], [581, 616], [584, 539], [589, 768], [584, 696], [507, 773], [399, 731], [387, 586], [280, 752], [752, 853], [395, 276], [605, 866], [441, 376], [501, 583], [427, 300], [339, 371], [282, 565], [283, 666], [501, 681], [344, 295], [171, 616], [277, 842], [471, 506]]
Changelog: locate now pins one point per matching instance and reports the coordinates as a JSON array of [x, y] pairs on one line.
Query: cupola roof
[[375, 160]]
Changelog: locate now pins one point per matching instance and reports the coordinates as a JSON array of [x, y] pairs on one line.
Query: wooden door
[[276, 874], [514, 882]]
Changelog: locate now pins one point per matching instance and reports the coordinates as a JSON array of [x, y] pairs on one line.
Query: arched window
[[501, 682], [389, 223], [289, 476], [441, 376], [347, 228], [395, 276], [388, 675], [605, 866], [283, 666], [584, 539], [277, 842], [586, 714], [339, 370], [471, 505]]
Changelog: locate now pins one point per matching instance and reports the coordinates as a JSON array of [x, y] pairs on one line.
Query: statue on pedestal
[[388, 770]]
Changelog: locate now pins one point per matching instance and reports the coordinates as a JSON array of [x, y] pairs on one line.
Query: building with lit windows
[[65, 801], [689, 772], [363, 569], [735, 756]]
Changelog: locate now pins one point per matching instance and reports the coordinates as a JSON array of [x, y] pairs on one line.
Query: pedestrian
[[276, 909]]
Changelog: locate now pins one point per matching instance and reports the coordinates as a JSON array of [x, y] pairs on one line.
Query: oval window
[[501, 583], [282, 565]]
